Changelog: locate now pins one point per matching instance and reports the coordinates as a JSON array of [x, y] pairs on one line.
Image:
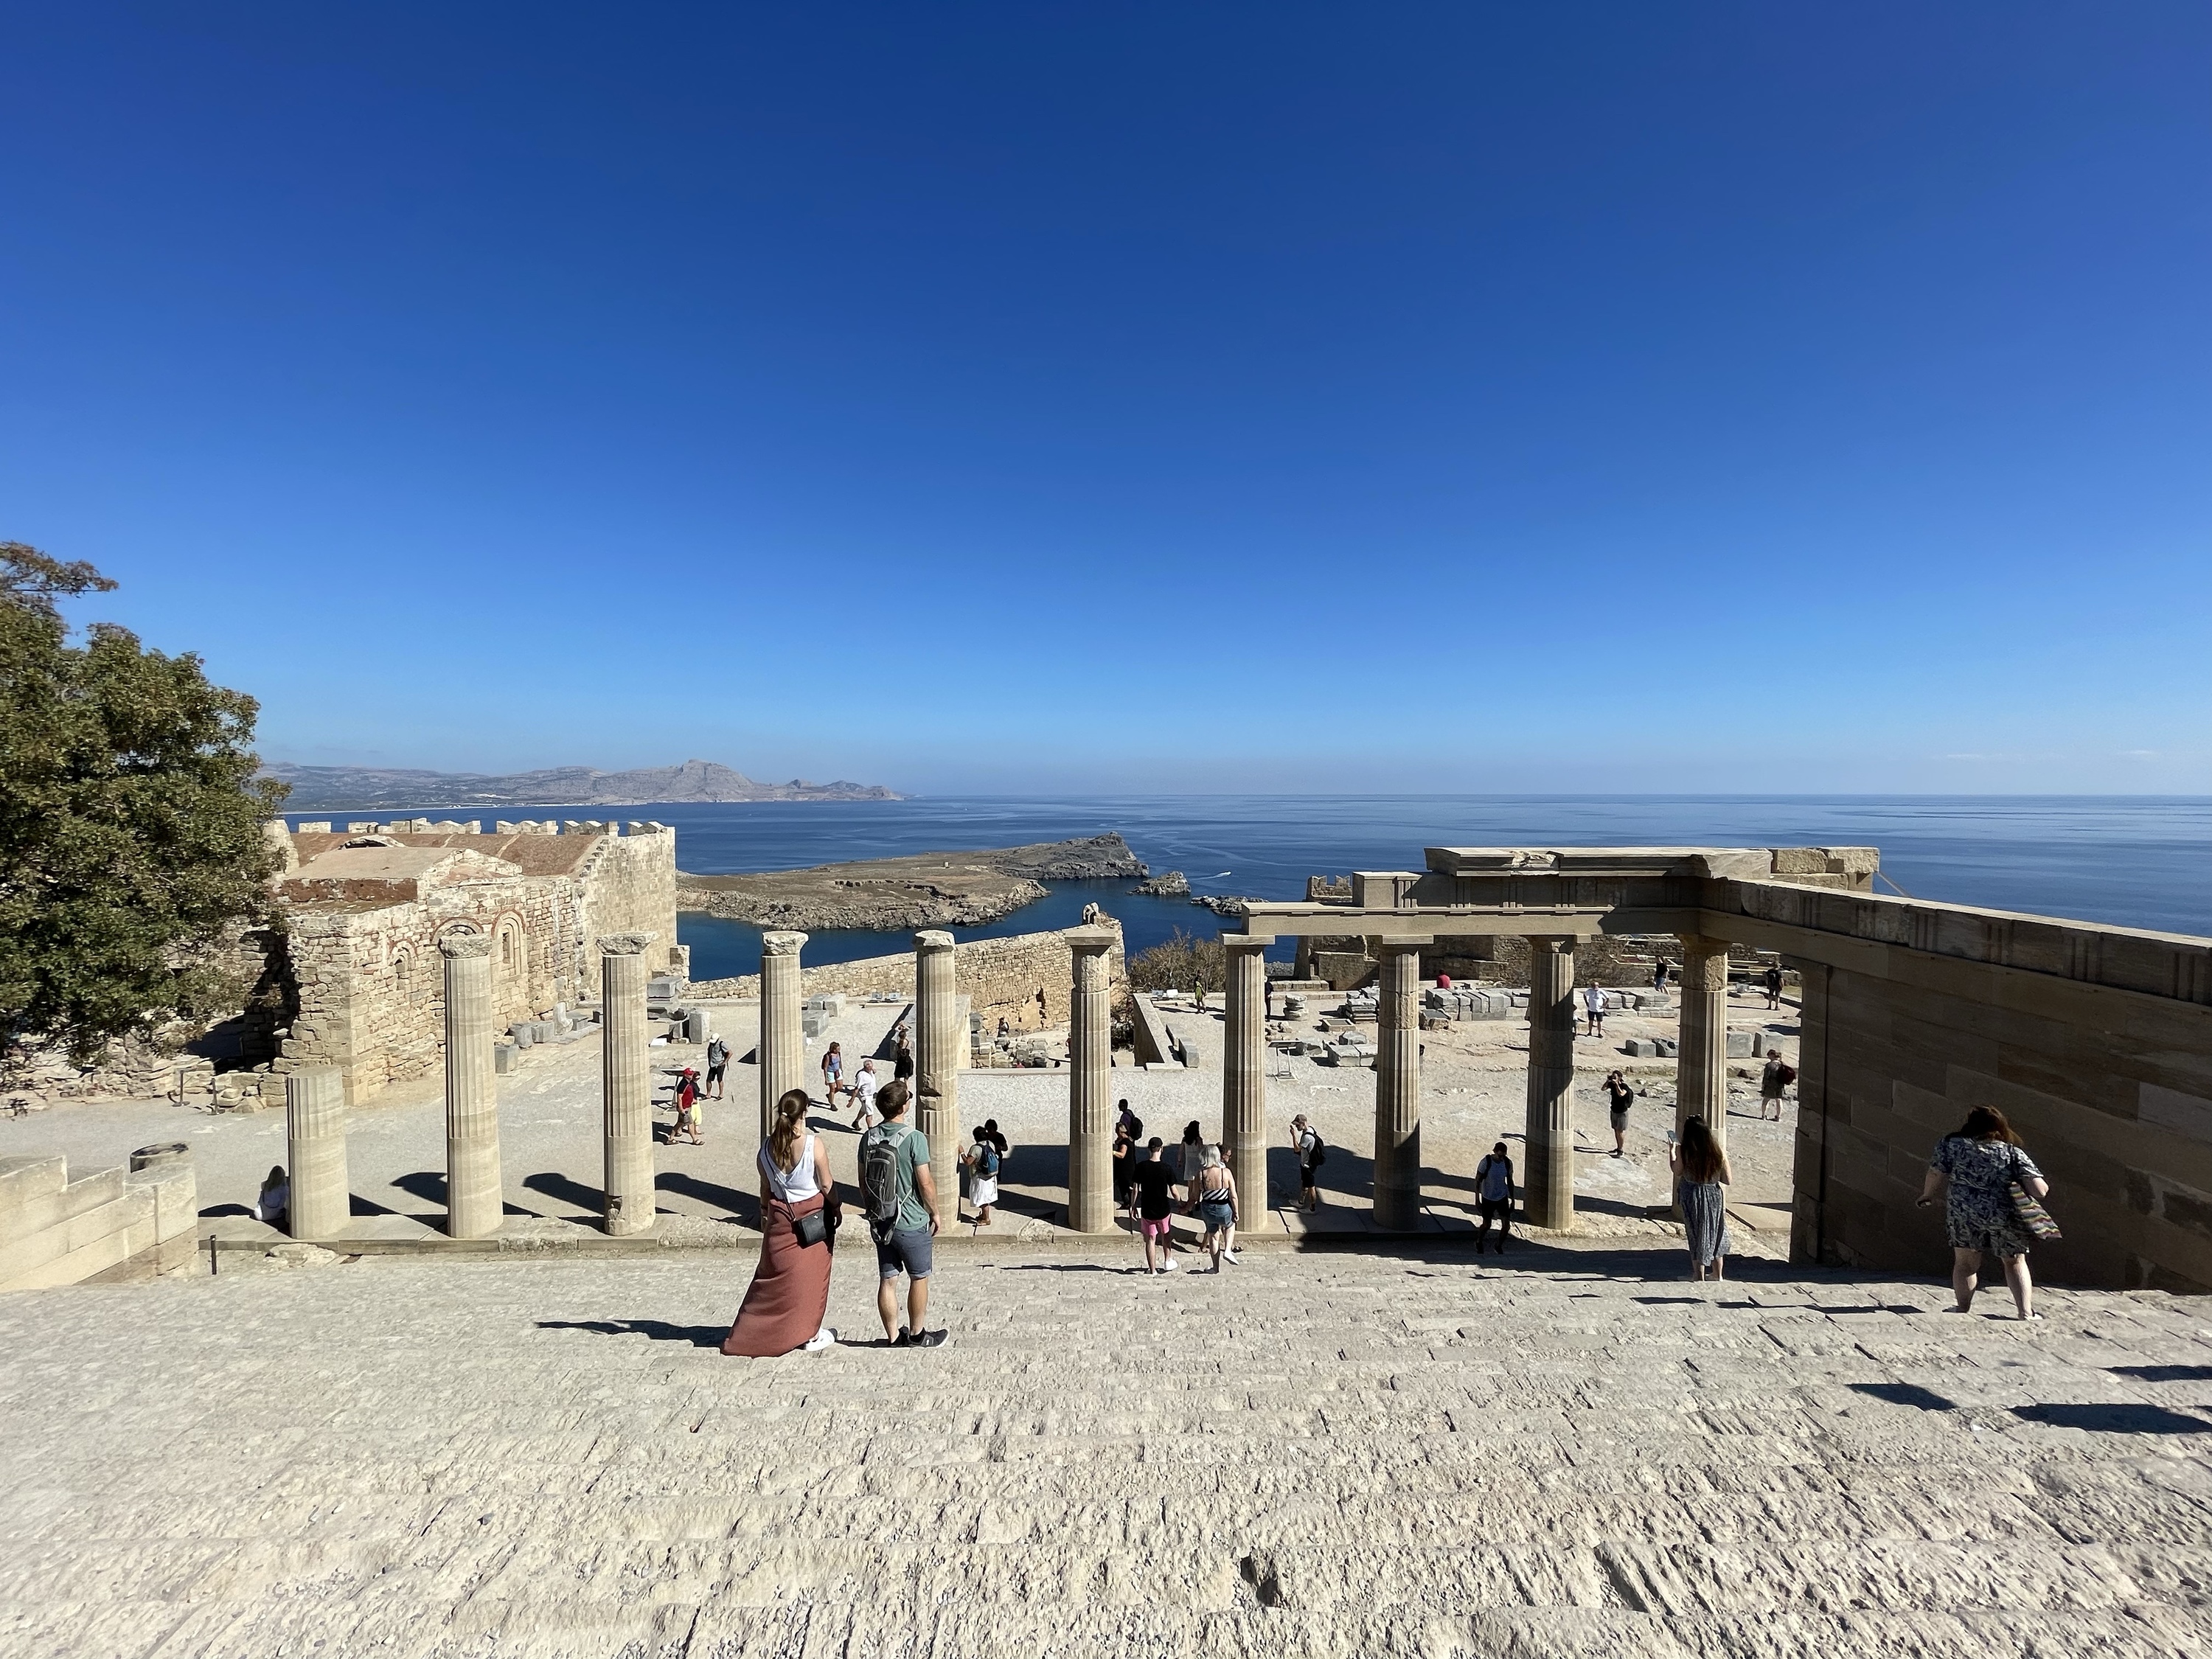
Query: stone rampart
[[1025, 979]]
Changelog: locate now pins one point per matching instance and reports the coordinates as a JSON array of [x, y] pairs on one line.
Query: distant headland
[[332, 787]]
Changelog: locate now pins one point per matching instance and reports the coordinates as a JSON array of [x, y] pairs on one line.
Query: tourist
[[1975, 1169], [1659, 973], [1190, 1156], [902, 1200], [863, 1090], [1214, 1203], [1306, 1141], [1773, 1079], [718, 1062], [1152, 1204], [903, 1058], [1593, 1010], [687, 1108], [1127, 1122], [1774, 985], [783, 1309], [1125, 1161], [1700, 1170], [833, 1075], [1619, 1098], [274, 1205], [1493, 1197], [982, 1160]]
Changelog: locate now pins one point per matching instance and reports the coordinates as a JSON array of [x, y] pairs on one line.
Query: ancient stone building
[[355, 970]]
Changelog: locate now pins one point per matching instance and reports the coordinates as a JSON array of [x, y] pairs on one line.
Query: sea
[[2135, 861]]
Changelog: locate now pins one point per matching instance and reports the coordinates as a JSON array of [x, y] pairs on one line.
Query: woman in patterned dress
[[1973, 1170], [1701, 1169]]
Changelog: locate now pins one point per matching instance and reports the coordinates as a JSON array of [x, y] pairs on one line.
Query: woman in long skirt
[[1701, 1169], [790, 1293]]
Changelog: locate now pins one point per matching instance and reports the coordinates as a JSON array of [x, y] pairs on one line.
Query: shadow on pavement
[[660, 1330]]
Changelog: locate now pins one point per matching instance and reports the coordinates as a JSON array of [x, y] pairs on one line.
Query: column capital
[[1401, 947], [933, 939], [1562, 943], [1090, 940], [624, 945], [1246, 943], [466, 945], [782, 944]]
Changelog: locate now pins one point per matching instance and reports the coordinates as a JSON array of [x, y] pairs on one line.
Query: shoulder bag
[[2032, 1216]]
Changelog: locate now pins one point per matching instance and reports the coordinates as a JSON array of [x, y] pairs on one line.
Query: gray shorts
[[908, 1252]]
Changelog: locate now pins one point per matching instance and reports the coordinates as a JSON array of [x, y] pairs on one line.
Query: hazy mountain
[[315, 788]]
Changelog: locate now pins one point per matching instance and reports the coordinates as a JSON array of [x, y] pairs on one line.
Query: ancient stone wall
[[628, 885], [1027, 979]]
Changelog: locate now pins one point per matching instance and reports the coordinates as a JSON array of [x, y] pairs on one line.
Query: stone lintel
[[1243, 944]]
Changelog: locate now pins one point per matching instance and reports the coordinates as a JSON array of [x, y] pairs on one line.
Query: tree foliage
[[1181, 963], [130, 821]]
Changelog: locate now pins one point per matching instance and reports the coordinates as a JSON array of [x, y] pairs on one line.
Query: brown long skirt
[[790, 1290]]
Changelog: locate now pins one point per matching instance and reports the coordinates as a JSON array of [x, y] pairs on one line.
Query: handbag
[[2032, 1216], [813, 1228]]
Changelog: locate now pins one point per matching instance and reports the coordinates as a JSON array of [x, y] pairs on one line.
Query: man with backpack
[[901, 1200], [718, 1062], [1306, 1140], [1776, 1077], [982, 1161]]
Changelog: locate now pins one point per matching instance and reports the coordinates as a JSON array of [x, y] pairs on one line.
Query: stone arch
[[513, 950], [403, 973]]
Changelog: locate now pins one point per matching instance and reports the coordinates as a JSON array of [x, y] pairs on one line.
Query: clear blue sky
[[1628, 396]]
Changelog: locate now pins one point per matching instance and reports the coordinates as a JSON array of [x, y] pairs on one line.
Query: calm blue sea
[[2137, 861]]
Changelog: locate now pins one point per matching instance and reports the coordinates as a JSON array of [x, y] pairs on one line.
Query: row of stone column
[[1548, 1163], [315, 1116]]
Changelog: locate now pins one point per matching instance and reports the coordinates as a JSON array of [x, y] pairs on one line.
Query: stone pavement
[[1315, 1453]]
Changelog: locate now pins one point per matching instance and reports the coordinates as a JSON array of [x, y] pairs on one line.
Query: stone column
[[1398, 1087], [1548, 1177], [315, 1150], [473, 1206], [1089, 1084], [1701, 1065], [938, 1040], [627, 1083], [1243, 1075], [782, 1056]]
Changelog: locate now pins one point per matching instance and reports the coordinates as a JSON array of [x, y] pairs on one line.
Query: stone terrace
[[1316, 1453]]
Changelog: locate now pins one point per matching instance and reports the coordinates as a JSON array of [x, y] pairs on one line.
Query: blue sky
[[1762, 397]]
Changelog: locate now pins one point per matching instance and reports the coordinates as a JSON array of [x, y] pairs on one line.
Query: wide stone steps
[[1308, 1455]]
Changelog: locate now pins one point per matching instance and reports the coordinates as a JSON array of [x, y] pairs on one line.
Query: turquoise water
[[2137, 862]]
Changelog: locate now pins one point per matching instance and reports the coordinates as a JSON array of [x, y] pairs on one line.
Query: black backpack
[[1319, 1155]]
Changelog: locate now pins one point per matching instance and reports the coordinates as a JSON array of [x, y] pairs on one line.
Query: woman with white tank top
[[790, 1291]]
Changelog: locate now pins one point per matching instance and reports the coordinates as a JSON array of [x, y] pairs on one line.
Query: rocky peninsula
[[927, 890]]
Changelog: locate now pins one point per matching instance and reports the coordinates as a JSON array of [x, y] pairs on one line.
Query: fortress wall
[[1027, 979], [628, 886]]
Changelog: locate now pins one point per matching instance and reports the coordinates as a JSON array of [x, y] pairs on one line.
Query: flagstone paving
[[1313, 1454]]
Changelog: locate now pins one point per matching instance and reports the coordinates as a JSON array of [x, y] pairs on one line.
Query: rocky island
[[927, 890]]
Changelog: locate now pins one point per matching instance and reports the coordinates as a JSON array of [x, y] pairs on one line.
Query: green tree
[[130, 838], [1181, 963]]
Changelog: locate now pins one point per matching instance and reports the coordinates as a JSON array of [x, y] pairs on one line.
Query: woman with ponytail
[[790, 1292]]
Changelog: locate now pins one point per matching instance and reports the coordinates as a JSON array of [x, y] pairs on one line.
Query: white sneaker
[[1229, 1256], [1169, 1267], [824, 1338]]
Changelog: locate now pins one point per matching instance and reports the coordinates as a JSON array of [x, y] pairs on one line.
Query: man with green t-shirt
[[902, 1201]]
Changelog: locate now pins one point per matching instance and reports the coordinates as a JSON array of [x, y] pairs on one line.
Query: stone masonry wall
[[628, 886], [1028, 979]]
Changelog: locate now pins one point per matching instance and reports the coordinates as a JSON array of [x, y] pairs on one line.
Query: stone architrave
[[937, 1041], [315, 1148], [1244, 1077], [1398, 1087], [782, 1058], [627, 1083], [1090, 1080], [473, 1201], [1701, 1065], [1548, 1182]]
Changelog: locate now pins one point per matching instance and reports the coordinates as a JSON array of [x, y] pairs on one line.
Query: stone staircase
[[1315, 1453]]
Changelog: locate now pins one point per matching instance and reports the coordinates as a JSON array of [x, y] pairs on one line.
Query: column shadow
[[562, 1190], [741, 1207], [659, 1330]]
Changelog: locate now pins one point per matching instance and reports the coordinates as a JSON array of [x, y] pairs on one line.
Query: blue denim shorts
[[906, 1252]]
